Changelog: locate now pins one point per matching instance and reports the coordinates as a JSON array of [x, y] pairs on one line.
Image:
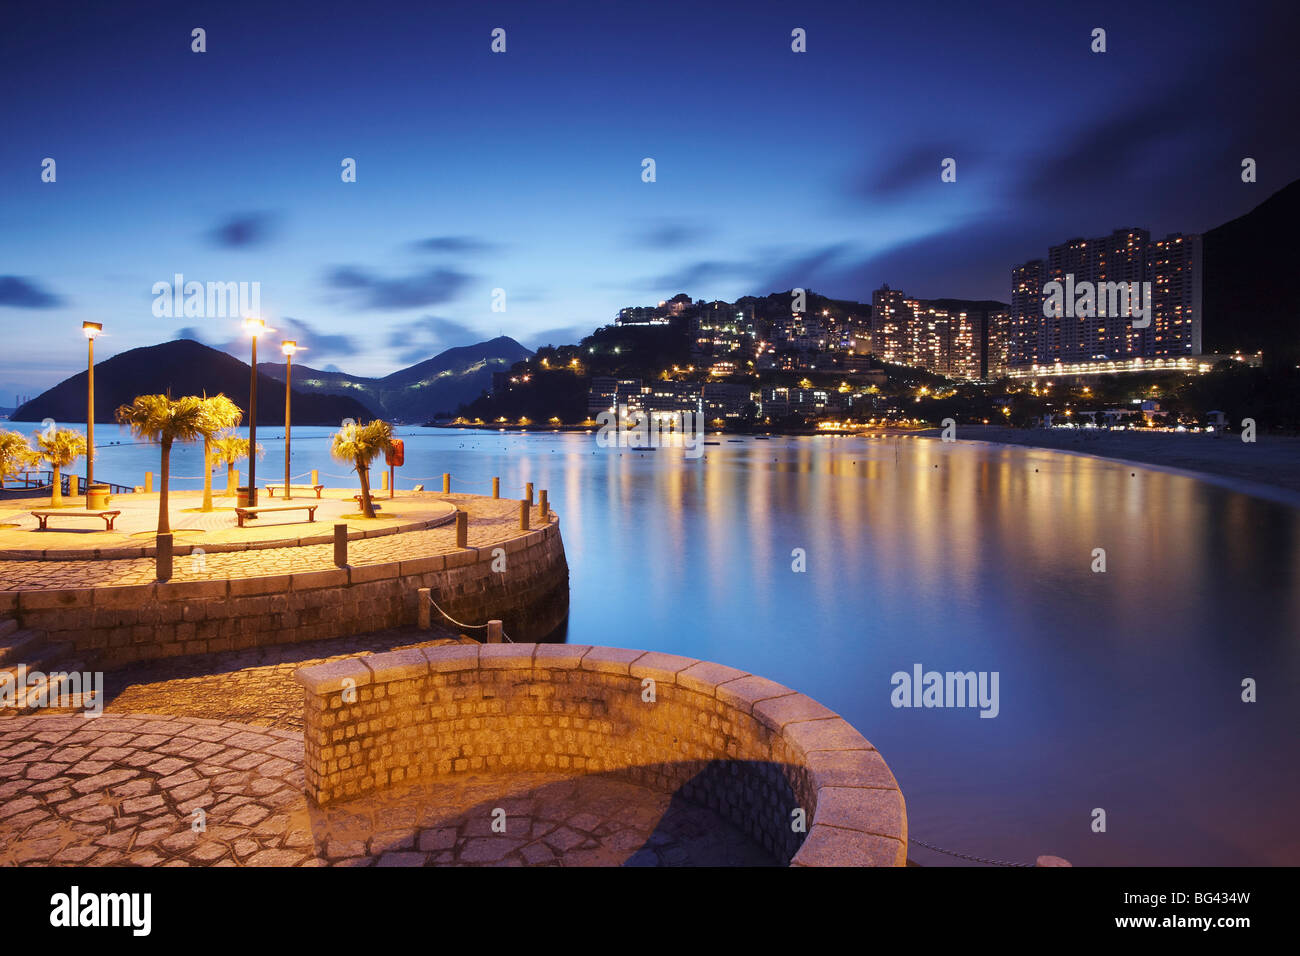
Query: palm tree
[[15, 455], [219, 414], [164, 419], [231, 449], [358, 445], [60, 447]]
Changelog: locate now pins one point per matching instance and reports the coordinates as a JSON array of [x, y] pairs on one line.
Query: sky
[[522, 171]]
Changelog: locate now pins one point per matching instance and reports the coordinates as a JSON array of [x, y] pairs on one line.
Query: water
[[1119, 691]]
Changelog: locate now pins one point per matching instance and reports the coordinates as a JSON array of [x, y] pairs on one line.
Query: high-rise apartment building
[[1118, 278]]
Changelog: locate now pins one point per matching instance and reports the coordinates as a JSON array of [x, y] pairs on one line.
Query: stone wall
[[749, 748], [112, 626]]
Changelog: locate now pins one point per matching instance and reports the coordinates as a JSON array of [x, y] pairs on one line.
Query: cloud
[[19, 293], [454, 244], [431, 287], [427, 336], [669, 234], [315, 343], [916, 167], [702, 273], [243, 230]]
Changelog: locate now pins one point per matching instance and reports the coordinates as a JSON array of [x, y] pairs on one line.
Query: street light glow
[[91, 329], [289, 347]]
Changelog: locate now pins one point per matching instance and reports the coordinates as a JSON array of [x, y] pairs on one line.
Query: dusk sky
[[522, 170]]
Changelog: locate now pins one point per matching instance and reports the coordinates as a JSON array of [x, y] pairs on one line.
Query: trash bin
[[241, 497], [97, 497]]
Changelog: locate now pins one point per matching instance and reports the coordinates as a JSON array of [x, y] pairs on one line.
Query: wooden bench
[[316, 488], [243, 513], [108, 516], [374, 502]]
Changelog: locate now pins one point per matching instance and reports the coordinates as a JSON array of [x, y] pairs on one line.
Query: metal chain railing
[[472, 627], [965, 856]]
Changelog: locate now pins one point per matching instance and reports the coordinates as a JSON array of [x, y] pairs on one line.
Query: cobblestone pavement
[[491, 521], [253, 686], [128, 790]]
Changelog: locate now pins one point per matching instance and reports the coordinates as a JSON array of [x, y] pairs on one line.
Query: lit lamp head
[[91, 329], [289, 347], [255, 327]]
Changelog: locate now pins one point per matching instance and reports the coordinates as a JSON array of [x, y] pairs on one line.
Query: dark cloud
[[430, 287], [692, 276], [315, 343], [19, 293], [454, 244], [913, 168], [243, 230], [669, 234], [427, 336]]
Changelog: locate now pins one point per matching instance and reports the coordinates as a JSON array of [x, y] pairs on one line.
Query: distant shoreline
[[1268, 468]]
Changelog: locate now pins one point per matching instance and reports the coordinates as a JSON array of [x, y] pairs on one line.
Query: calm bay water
[[1118, 691]]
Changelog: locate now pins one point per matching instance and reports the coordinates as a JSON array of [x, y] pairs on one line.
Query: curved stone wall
[[112, 626], [757, 752]]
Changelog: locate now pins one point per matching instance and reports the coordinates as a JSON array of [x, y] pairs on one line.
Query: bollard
[[494, 632], [383, 481], [462, 529], [528, 493], [163, 558], [148, 481], [1051, 861], [341, 545], [425, 605], [315, 478], [496, 487], [544, 505], [74, 488], [523, 515]]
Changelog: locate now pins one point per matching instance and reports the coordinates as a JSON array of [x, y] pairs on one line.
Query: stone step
[[40, 655], [17, 644], [80, 700], [7, 626]]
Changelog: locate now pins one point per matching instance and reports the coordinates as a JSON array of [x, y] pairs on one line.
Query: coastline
[[1268, 468]]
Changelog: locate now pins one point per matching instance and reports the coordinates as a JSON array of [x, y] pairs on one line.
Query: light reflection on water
[[1118, 690]]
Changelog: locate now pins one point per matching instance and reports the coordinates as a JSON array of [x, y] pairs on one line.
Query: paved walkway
[[491, 521], [169, 791], [137, 524]]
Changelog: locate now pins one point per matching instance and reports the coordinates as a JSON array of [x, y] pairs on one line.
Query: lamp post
[[255, 327], [288, 348], [91, 329]]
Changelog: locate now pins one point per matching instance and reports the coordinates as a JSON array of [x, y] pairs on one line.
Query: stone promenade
[[136, 789], [492, 521]]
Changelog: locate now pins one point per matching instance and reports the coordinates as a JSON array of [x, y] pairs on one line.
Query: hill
[[420, 392], [183, 367], [1251, 300]]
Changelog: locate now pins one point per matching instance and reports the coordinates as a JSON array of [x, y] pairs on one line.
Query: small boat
[[713, 443]]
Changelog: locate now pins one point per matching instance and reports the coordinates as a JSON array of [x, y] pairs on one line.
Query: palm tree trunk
[[56, 492], [164, 522], [207, 475], [231, 478], [367, 506]]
